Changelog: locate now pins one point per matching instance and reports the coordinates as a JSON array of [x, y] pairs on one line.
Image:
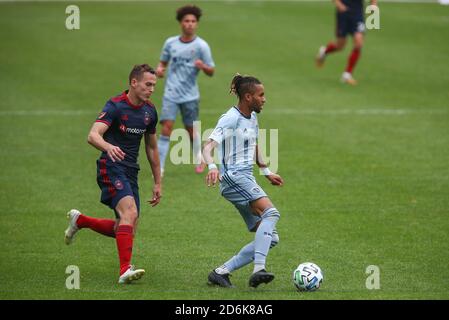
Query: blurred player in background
[[185, 55], [235, 136], [117, 132], [350, 20]]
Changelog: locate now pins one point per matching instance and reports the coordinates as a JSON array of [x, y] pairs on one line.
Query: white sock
[[258, 267], [244, 257], [264, 236]]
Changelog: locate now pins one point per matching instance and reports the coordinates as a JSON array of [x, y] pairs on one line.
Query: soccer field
[[366, 168]]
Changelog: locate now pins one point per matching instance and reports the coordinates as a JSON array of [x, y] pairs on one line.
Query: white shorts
[[240, 189]]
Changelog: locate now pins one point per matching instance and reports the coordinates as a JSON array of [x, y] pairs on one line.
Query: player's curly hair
[[189, 9], [243, 84], [138, 71]]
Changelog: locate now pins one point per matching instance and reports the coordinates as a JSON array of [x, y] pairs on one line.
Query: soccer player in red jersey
[[117, 133], [350, 20]]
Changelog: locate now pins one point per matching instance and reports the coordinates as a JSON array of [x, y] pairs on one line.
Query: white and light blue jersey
[[181, 85], [237, 138]]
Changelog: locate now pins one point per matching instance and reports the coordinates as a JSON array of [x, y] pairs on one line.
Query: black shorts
[[349, 22], [117, 181]]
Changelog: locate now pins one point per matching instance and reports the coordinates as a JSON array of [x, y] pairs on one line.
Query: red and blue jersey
[[127, 124], [354, 6]]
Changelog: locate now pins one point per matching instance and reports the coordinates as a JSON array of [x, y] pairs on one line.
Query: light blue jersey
[[181, 85], [237, 136]]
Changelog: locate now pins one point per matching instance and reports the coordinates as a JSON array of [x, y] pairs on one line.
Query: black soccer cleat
[[221, 280], [259, 277]]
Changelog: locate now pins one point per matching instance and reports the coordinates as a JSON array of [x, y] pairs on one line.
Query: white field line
[[273, 111], [229, 1]]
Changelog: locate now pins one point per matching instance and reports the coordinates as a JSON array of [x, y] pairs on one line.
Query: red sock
[[124, 238], [331, 47], [103, 226], [353, 60]]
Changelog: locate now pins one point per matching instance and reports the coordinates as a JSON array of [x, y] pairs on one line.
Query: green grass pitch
[[366, 168]]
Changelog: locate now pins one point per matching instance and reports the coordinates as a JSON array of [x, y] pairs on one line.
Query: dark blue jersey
[[354, 6], [127, 124]]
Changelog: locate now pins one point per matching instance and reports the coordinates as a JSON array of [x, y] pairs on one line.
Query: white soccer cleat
[[346, 77], [131, 275], [321, 56], [70, 232]]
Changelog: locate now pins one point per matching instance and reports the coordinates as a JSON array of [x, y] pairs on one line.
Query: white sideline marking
[[231, 1], [46, 113], [273, 111], [362, 111]]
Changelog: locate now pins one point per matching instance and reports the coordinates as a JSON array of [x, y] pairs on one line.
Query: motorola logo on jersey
[[124, 129], [135, 130]]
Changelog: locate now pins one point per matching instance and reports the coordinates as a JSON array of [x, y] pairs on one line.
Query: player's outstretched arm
[[274, 178], [95, 138], [213, 175], [153, 158]]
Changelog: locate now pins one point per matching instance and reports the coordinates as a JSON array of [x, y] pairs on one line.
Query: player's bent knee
[[167, 127], [129, 216], [271, 213], [166, 132], [260, 205]]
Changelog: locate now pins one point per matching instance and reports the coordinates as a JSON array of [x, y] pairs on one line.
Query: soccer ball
[[307, 277]]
